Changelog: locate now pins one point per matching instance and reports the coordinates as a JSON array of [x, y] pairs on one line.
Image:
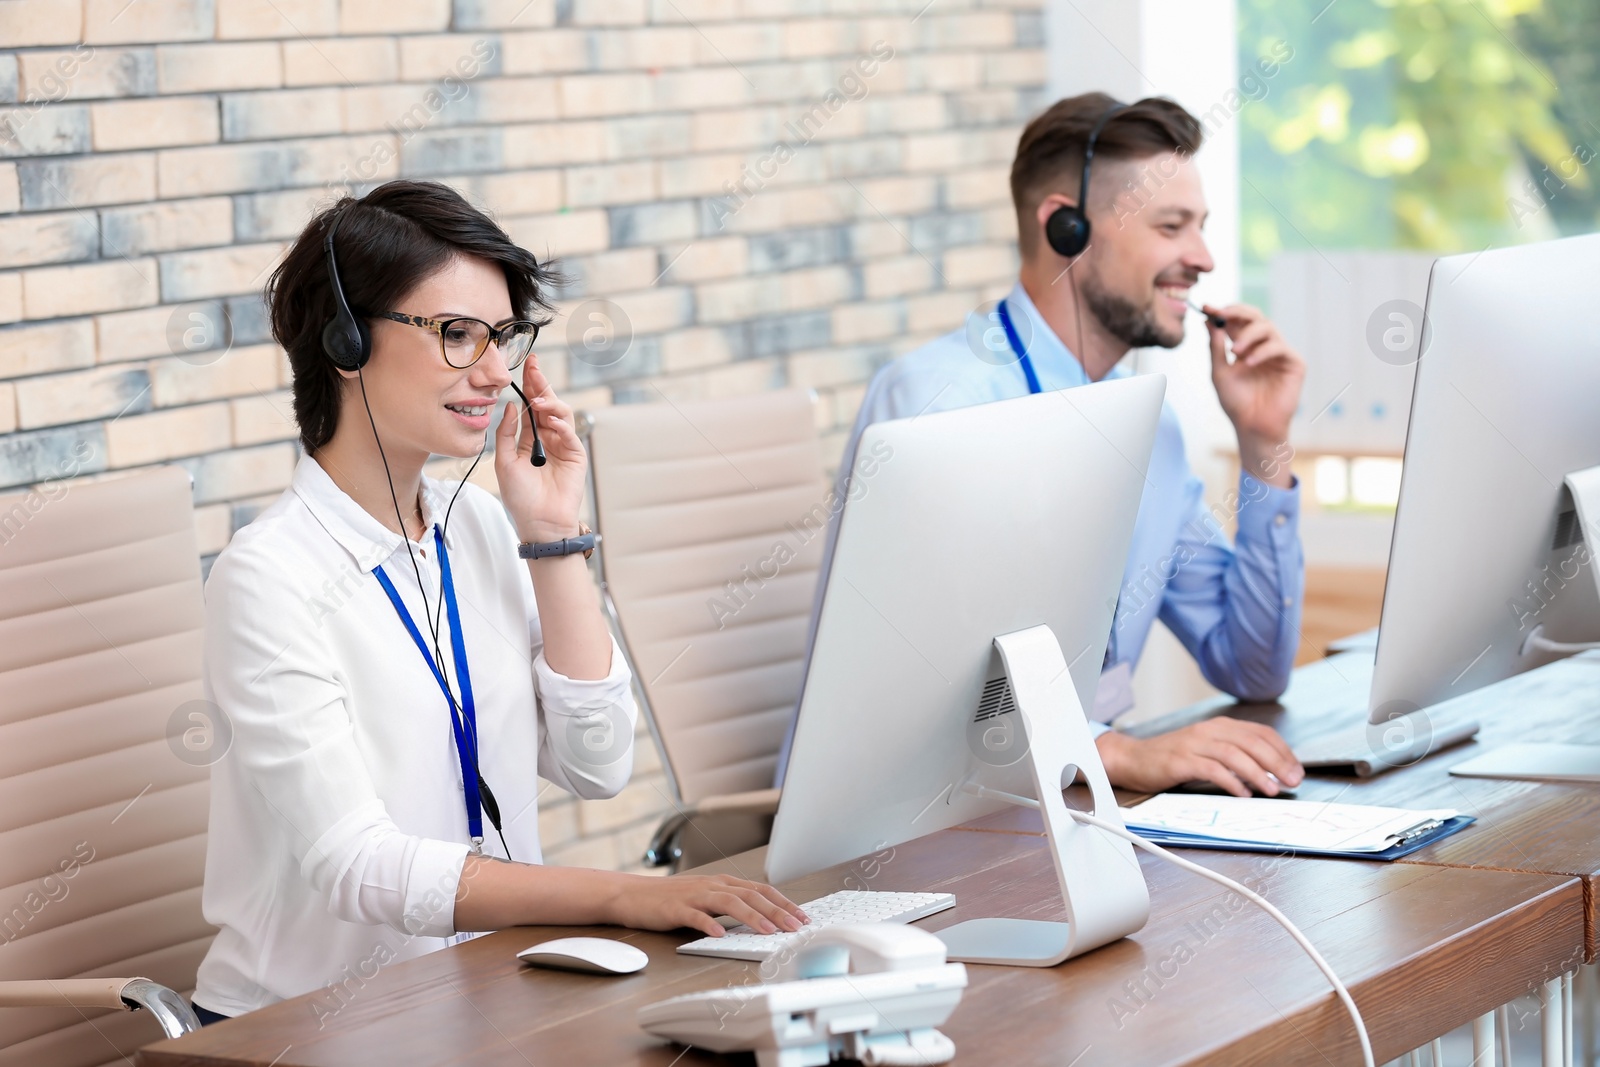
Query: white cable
[[1544, 644], [1224, 880], [1537, 641]]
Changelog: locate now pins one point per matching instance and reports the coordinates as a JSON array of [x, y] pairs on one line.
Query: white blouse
[[338, 826]]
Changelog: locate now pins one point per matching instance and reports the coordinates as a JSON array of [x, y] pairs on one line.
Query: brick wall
[[747, 194]]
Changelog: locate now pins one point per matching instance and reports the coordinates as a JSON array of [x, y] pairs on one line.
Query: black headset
[[1067, 228], [346, 338]]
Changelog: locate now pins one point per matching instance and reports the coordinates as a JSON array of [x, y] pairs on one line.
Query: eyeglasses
[[462, 341]]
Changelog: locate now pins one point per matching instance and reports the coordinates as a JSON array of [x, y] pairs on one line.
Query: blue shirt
[[1236, 607]]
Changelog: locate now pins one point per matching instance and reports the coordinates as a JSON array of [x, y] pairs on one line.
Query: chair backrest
[[103, 799], [713, 516]]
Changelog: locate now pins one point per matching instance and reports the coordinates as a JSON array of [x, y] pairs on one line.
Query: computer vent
[[996, 700], [1569, 531]]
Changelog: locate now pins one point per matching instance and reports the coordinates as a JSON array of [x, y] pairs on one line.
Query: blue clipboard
[[1404, 848]]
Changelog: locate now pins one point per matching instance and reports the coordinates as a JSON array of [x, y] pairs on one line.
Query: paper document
[[1295, 824]]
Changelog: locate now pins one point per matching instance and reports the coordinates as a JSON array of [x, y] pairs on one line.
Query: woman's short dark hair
[[1050, 150], [387, 243]]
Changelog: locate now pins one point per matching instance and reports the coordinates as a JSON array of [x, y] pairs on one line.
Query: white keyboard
[[836, 909]]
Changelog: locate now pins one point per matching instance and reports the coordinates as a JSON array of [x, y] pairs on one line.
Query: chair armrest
[[123, 994], [663, 850]]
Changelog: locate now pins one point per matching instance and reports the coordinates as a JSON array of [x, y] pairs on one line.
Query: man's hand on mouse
[[1235, 754], [692, 900], [1259, 389]]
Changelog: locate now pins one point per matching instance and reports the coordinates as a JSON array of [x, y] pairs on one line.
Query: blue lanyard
[[1033, 387], [466, 739], [1019, 348]]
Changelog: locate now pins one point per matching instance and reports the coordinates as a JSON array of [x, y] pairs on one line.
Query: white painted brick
[[281, 113], [611, 183], [57, 237], [166, 225], [121, 336], [590, 95], [940, 312], [244, 371], [431, 57], [54, 399], [288, 19], [897, 276], [8, 407], [979, 264], [125, 124], [217, 272], [708, 258], [122, 178], [10, 191], [853, 323], [134, 440], [340, 61], [46, 347], [543, 52], [243, 472], [513, 193], [55, 292], [10, 297], [739, 128], [561, 234], [551, 144], [121, 22], [738, 42], [86, 73], [978, 187], [504, 14], [694, 349], [213, 527], [498, 100], [43, 22], [385, 16], [200, 68], [648, 48], [258, 419]]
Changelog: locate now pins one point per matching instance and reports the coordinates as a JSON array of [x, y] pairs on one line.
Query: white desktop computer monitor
[[1489, 549], [971, 591]]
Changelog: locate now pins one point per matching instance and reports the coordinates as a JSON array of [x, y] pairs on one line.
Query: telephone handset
[[873, 992]]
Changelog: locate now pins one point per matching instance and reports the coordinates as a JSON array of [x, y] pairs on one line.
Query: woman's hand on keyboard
[[691, 900]]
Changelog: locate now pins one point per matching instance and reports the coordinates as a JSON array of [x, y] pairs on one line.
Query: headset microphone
[[538, 445]]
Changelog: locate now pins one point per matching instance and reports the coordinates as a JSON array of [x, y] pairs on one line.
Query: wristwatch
[[584, 542]]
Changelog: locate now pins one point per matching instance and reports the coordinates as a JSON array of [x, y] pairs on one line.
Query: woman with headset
[[400, 660]]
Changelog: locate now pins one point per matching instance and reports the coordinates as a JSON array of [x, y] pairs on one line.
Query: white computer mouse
[[591, 955]]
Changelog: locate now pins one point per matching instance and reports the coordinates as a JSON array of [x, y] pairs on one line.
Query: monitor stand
[[1555, 762], [1101, 883]]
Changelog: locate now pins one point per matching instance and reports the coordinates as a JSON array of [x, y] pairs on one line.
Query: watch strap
[[584, 543]]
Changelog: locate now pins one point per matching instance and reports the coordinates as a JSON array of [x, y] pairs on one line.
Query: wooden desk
[[1210, 980], [1531, 827]]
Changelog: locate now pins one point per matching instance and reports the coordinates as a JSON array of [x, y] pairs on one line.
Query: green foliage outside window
[[1444, 125]]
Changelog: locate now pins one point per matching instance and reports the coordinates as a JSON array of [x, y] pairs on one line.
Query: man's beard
[[1134, 326]]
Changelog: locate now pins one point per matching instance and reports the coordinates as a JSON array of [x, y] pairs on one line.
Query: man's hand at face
[[1234, 754], [1259, 390]]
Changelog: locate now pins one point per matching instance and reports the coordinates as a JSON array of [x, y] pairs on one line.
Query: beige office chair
[[713, 517], [103, 777]]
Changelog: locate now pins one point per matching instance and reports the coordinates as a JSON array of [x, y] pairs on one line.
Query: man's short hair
[[1050, 150]]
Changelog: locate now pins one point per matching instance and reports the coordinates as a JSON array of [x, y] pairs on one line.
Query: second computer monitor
[[1486, 544], [976, 523]]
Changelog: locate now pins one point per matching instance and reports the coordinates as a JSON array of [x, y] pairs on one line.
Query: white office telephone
[[873, 993]]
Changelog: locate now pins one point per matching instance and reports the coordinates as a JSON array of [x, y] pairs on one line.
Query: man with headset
[[1107, 267]]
